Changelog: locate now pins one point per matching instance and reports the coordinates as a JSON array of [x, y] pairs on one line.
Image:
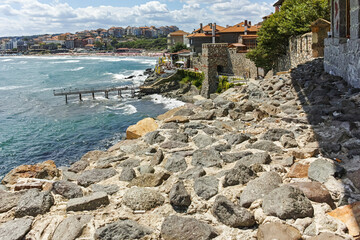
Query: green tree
[[178, 47], [99, 44], [294, 19]]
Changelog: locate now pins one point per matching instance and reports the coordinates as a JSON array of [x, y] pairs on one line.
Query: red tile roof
[[179, 33], [195, 35], [240, 27], [208, 29]]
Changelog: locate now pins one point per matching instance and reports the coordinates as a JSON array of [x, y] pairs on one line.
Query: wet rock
[[259, 188], [130, 163], [287, 202], [206, 158], [141, 128], [233, 157], [298, 170], [139, 198], [153, 138], [44, 170], [256, 158], [122, 229], [276, 134], [157, 158], [93, 176], [176, 163], [230, 214], [193, 173], [88, 203], [180, 199], [149, 180], [180, 137], [240, 174], [78, 166], [67, 189], [33, 203], [279, 231], [234, 139], [181, 228], [146, 169], [206, 187], [321, 169], [265, 145], [8, 200], [173, 144], [202, 140], [71, 227], [315, 191], [127, 174], [109, 189], [15, 229]]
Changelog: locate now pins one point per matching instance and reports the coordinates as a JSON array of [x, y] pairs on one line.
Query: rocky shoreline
[[276, 159]]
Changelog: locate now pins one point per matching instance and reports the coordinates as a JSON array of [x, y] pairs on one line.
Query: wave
[[169, 103], [67, 61], [76, 69], [7, 60], [10, 88], [127, 109]]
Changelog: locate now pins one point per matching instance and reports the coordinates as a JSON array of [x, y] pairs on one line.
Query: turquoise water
[[36, 126]]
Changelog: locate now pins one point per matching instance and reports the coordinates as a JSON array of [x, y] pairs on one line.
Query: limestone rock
[[149, 180], [109, 189], [240, 174], [44, 170], [122, 229], [287, 202], [88, 203], [8, 200], [230, 214], [256, 158], [78, 166], [350, 215], [71, 227], [169, 113], [202, 141], [67, 189], [176, 163], [184, 228], [141, 128], [206, 158], [94, 176], [206, 187], [278, 231], [258, 188], [127, 174], [15, 229], [33, 203], [139, 198], [179, 198]]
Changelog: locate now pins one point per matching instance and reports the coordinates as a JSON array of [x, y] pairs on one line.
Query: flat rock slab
[[71, 227], [265, 145], [259, 188], [67, 189], [287, 202], [203, 140], [177, 119], [315, 191], [109, 189], [173, 144], [206, 158], [236, 156], [350, 215], [94, 176], [278, 231], [256, 158], [206, 187], [78, 166], [321, 169], [184, 228], [139, 198], [122, 229], [298, 170], [231, 214], [88, 203], [8, 200], [149, 180], [15, 229], [33, 203]]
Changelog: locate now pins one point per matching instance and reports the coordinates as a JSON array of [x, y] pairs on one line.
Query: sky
[[31, 17]]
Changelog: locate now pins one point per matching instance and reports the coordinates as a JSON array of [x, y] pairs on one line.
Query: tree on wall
[[294, 19]]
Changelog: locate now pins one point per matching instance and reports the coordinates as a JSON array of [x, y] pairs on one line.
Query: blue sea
[[36, 126]]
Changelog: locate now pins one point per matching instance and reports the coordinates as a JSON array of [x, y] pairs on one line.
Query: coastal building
[[278, 5], [342, 48], [177, 37], [243, 32], [205, 34]]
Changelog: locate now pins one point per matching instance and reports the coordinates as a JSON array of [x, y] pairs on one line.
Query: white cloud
[[27, 17]]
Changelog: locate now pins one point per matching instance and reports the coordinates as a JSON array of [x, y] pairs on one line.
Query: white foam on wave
[[138, 78], [76, 69], [10, 88], [67, 61], [127, 109], [169, 103], [7, 60]]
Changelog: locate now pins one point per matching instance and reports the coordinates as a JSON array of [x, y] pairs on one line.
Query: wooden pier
[[120, 90]]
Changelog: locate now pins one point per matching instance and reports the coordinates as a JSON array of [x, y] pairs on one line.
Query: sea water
[[36, 126]]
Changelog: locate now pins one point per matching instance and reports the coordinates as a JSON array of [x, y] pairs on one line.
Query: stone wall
[[242, 65]]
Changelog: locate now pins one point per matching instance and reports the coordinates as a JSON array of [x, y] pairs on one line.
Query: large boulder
[[88, 203], [183, 228], [122, 229], [67, 189], [287, 202], [44, 170], [71, 227], [141, 128], [206, 187], [138, 198], [94, 176], [15, 229], [8, 200], [231, 214], [33, 203]]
